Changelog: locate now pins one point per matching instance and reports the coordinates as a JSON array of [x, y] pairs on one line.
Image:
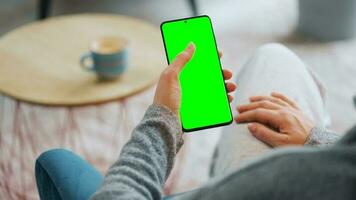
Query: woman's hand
[[168, 92], [275, 120]]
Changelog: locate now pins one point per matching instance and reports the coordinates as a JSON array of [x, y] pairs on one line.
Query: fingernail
[[251, 127], [191, 46], [230, 98]]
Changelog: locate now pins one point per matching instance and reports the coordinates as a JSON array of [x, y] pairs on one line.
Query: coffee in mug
[[109, 57]]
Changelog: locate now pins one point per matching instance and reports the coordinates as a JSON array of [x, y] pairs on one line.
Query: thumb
[[182, 58]]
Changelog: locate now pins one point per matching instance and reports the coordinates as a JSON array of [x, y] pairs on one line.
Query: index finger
[[268, 98], [285, 98]]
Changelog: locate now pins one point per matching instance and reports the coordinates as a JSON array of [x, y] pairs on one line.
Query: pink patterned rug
[[97, 133]]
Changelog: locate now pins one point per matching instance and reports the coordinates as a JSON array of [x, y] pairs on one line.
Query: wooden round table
[[40, 61], [39, 64]]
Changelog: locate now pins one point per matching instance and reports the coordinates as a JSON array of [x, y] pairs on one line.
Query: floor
[[240, 26]]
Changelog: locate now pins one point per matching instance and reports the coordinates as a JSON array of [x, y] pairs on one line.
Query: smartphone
[[204, 100]]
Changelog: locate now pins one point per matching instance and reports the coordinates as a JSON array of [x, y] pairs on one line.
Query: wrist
[[317, 137], [167, 109], [166, 114]]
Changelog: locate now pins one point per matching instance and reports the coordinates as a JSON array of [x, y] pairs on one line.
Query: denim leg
[[60, 174]]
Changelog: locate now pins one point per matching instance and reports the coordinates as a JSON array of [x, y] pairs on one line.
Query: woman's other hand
[[275, 120], [168, 92]]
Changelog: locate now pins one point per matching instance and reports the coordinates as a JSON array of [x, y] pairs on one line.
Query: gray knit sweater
[[147, 159]]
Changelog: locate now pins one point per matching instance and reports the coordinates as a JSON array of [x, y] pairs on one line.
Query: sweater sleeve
[[321, 137], [146, 160]]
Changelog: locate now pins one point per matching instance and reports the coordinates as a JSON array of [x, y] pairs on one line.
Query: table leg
[[43, 8], [194, 7]]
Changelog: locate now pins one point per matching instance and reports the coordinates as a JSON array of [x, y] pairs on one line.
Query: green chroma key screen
[[204, 100]]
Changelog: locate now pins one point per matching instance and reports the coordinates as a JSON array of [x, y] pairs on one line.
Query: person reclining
[[297, 172]]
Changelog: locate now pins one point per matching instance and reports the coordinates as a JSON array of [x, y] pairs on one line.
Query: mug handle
[[83, 59]]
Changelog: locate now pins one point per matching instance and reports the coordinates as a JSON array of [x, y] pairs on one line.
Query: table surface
[[95, 132], [40, 61]]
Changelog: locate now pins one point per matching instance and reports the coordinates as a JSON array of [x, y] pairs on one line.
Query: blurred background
[[240, 26]]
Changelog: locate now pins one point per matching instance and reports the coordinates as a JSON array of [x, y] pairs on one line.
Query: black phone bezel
[[186, 20]]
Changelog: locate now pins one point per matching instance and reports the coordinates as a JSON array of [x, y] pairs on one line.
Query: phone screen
[[204, 101]]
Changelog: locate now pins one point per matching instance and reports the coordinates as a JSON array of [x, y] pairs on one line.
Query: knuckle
[[275, 101], [264, 103], [284, 140], [168, 74], [259, 113], [257, 129], [165, 73], [280, 101], [183, 56], [283, 113]]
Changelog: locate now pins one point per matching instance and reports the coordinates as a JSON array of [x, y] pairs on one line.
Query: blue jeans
[[60, 174]]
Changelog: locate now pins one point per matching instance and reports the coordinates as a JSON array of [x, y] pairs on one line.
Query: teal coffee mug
[[107, 58]]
